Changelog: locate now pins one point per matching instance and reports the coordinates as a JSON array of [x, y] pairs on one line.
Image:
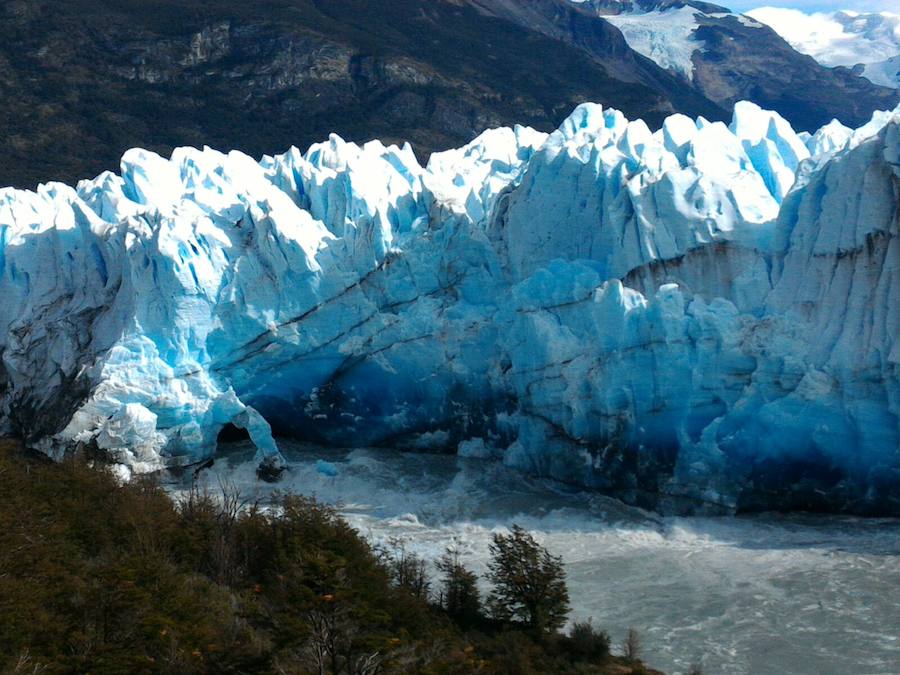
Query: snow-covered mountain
[[665, 31], [724, 56], [869, 41], [704, 317]]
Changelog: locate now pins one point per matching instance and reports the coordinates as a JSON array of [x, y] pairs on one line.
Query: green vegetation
[[529, 582], [101, 577], [459, 591]]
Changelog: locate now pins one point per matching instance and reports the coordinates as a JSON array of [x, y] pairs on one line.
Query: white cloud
[[819, 5], [842, 38], [836, 38]]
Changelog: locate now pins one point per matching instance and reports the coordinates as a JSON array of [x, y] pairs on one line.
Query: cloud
[[835, 39], [819, 5]]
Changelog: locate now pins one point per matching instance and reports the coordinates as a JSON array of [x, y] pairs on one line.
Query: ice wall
[[702, 317]]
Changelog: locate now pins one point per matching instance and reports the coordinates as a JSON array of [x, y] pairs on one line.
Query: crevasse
[[701, 318]]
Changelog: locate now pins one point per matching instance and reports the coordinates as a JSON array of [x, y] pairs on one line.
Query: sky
[[816, 5]]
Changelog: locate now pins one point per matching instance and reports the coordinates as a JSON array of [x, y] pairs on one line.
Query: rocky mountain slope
[[728, 57], [83, 80], [702, 318], [869, 44]]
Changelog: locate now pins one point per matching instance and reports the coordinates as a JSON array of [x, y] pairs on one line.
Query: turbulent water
[[764, 594]]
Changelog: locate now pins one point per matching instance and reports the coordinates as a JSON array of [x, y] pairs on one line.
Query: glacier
[[667, 33], [701, 318]]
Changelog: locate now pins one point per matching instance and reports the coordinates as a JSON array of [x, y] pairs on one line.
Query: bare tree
[[632, 646], [368, 664], [408, 570], [331, 645], [219, 514], [27, 665]]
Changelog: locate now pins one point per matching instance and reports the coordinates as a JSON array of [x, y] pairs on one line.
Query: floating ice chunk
[[326, 468]]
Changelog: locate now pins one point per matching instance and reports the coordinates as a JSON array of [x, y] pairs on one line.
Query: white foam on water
[[764, 594]]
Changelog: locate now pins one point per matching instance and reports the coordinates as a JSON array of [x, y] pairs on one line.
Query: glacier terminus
[[703, 318]]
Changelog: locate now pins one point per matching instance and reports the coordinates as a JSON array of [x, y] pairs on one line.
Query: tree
[[407, 570], [529, 582], [459, 590], [632, 645]]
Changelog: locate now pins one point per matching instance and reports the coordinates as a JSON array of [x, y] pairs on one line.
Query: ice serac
[[702, 317]]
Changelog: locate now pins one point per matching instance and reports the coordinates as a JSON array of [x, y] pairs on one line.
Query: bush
[[529, 582], [587, 644], [92, 579]]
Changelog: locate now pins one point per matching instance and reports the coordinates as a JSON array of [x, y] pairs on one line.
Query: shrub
[[104, 577], [587, 644]]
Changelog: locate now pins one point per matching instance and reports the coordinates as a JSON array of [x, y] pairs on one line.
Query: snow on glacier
[[704, 316], [664, 36], [664, 32]]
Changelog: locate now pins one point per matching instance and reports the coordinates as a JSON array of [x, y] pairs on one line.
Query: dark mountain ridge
[[83, 80]]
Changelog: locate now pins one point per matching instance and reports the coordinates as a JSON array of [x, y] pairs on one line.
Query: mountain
[[885, 72], [729, 57], [723, 56], [84, 80], [701, 318], [868, 43]]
